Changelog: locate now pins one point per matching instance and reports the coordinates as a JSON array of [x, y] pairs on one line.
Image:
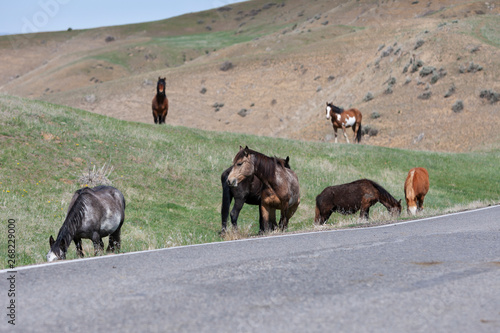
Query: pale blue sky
[[27, 16]]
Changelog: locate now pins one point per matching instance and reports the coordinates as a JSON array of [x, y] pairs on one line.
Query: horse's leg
[[420, 203], [155, 116], [272, 219], [289, 213], [365, 212], [345, 134], [98, 243], [114, 241], [265, 213], [335, 132], [235, 212], [79, 250]]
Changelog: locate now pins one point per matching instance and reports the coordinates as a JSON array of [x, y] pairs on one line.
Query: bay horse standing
[[160, 102], [93, 213], [281, 185], [343, 119], [416, 187], [351, 197], [248, 191]]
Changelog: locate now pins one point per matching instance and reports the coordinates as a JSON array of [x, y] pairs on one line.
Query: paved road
[[434, 275]]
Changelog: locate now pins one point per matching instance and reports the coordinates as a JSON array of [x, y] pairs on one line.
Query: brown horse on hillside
[[248, 192], [281, 185], [349, 198], [416, 187], [160, 102], [345, 118]]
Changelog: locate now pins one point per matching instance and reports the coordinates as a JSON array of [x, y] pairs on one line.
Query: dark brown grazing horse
[[349, 198], [93, 213], [247, 192], [416, 187], [281, 185], [345, 118], [160, 102]]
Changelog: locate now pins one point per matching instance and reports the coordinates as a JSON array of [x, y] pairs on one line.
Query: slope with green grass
[[170, 176]]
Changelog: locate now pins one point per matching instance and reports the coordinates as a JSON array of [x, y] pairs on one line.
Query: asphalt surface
[[433, 275]]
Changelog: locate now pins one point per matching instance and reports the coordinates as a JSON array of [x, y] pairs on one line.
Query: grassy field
[[170, 176]]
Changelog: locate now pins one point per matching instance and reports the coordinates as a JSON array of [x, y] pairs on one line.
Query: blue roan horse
[[93, 213]]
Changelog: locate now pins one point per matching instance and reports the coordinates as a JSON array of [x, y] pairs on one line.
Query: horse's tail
[[226, 197], [359, 134]]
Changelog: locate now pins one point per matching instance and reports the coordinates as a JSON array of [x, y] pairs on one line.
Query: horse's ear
[[51, 241], [287, 159], [241, 148]]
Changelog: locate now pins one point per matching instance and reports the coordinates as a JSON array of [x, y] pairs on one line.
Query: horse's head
[[57, 250], [328, 110], [396, 210], [160, 86], [243, 167], [332, 108]]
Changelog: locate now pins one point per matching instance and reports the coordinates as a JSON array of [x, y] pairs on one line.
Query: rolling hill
[[407, 65]]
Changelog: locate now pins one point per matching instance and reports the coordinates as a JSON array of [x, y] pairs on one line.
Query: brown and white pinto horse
[[345, 118], [416, 187], [280, 184], [160, 102]]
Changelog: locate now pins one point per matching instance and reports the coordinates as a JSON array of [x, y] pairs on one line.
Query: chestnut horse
[[160, 102], [416, 187], [281, 185], [349, 198], [345, 118], [247, 192]]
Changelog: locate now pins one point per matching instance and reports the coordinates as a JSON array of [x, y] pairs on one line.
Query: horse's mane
[[336, 109], [383, 192], [266, 165], [74, 217], [409, 192]]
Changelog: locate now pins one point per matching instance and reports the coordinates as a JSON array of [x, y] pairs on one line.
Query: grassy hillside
[[170, 176]]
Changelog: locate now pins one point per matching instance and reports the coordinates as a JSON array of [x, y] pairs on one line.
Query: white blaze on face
[[328, 111], [413, 210], [51, 256], [349, 121]]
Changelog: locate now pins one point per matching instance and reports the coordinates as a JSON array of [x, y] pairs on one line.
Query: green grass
[[170, 176]]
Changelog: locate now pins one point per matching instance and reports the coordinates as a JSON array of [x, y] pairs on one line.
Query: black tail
[[226, 198], [359, 134]]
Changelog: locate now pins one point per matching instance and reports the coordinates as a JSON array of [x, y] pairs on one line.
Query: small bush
[[450, 92], [427, 70], [368, 97], [375, 115], [96, 176], [419, 43], [458, 106], [369, 130], [426, 95], [490, 95], [226, 65]]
